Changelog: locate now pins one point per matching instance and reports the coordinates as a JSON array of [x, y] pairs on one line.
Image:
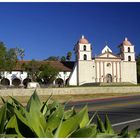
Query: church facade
[[104, 68]]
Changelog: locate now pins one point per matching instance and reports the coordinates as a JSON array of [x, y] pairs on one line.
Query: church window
[[128, 49], [129, 58], [85, 57], [108, 65], [85, 47]]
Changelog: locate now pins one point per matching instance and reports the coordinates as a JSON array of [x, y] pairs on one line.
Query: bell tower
[[128, 63], [83, 50], [85, 70], [127, 50]]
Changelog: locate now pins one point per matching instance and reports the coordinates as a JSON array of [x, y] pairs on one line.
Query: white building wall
[[23, 75], [86, 72], [73, 76], [101, 71], [64, 75], [129, 72], [14, 74]]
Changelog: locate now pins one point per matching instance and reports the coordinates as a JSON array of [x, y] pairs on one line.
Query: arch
[[129, 58], [5, 82], [59, 82], [85, 57], [26, 81], [16, 82], [109, 78], [128, 49], [85, 47]]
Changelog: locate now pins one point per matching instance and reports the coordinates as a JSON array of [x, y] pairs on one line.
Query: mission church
[[107, 67]]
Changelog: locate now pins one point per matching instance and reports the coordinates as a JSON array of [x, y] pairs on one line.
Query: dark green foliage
[[53, 58], [42, 73], [138, 68], [32, 68], [8, 58], [48, 73], [69, 55], [63, 58], [50, 120]]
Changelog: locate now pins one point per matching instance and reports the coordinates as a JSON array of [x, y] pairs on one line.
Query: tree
[[32, 68], [48, 73], [69, 55], [2, 55], [20, 52], [8, 58], [138, 68], [53, 58], [63, 58]]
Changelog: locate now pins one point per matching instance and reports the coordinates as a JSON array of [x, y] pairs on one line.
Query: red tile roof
[[61, 66]]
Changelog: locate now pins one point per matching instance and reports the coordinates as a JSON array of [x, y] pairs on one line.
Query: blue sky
[[52, 29]]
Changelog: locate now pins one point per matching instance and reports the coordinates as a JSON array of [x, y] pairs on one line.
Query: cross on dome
[[126, 42], [83, 40], [83, 36], [126, 39]]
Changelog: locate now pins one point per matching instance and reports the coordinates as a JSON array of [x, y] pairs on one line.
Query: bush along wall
[[51, 120]]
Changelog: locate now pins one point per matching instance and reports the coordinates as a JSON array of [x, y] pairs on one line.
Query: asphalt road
[[121, 111]]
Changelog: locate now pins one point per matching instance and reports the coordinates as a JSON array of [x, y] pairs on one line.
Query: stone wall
[[72, 91]]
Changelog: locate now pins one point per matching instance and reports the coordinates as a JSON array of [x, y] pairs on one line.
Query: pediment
[[107, 55]]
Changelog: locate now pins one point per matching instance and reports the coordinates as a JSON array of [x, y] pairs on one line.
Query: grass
[[79, 97]]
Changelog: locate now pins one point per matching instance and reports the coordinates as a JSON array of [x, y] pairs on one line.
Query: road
[[122, 111]]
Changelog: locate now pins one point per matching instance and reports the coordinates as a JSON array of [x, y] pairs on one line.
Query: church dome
[[83, 40], [126, 42]]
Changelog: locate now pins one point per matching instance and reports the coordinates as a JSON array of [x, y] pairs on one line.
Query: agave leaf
[[2, 117], [86, 132], [45, 105], [12, 127], [23, 126], [106, 135], [69, 113], [8, 136], [91, 119], [108, 125], [3, 100], [37, 102], [67, 127], [55, 119], [124, 132], [16, 102], [100, 125], [48, 134], [53, 106], [34, 116], [36, 120], [134, 133], [85, 118]]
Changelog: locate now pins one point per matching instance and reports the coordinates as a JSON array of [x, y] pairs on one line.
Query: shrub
[[51, 120]]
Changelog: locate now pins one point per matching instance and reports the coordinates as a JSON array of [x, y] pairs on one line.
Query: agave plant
[[51, 120]]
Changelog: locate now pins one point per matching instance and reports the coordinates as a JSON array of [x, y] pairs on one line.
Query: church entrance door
[[109, 78]]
